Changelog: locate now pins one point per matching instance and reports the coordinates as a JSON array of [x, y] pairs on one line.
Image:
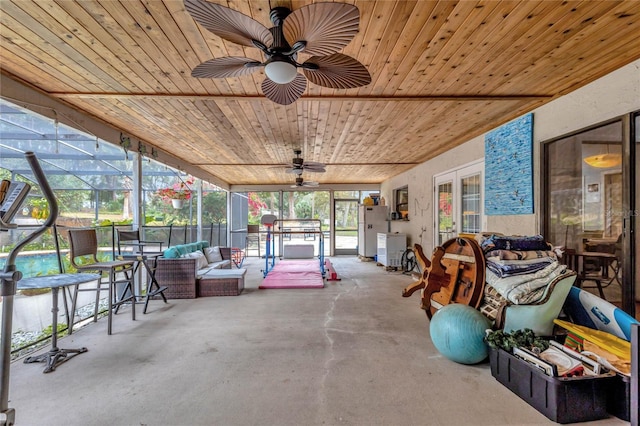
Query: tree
[[214, 207], [303, 208], [256, 205]]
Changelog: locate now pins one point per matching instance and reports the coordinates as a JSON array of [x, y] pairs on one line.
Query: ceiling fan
[[298, 165], [319, 30], [301, 182]]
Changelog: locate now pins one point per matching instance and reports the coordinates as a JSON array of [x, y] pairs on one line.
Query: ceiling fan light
[[281, 72], [603, 161]]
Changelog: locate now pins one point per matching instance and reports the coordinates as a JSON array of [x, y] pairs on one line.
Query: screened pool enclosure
[[97, 184], [124, 185]]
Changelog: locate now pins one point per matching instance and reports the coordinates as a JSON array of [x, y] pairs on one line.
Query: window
[[470, 204]]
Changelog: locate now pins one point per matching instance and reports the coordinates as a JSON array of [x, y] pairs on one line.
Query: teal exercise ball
[[457, 331]]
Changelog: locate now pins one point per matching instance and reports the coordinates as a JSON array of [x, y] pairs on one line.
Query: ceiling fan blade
[[310, 184], [284, 94], [227, 23], [315, 169], [312, 164], [337, 71], [229, 66], [326, 27]]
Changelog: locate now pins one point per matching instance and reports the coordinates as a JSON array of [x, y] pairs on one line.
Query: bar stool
[[132, 247], [83, 251]]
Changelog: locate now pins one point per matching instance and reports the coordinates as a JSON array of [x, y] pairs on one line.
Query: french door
[[459, 197]]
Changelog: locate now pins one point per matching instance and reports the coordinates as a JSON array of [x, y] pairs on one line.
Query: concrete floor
[[352, 353]]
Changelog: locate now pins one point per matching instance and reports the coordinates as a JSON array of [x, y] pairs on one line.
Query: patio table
[[55, 355]]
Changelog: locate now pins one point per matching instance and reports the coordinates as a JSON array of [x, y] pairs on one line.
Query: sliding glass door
[[590, 203]]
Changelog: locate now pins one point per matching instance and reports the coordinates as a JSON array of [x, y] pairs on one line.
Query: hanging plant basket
[[177, 193]]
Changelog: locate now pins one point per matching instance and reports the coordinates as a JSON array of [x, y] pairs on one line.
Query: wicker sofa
[[182, 269]]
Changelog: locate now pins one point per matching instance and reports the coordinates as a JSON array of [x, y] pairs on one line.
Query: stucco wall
[[611, 96]]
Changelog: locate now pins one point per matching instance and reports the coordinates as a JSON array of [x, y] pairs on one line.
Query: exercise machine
[[13, 199]]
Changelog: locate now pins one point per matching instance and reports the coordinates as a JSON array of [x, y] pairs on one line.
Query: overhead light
[[603, 161], [281, 72]]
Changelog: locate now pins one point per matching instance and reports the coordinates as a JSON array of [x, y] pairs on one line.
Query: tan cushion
[[201, 260], [213, 254]]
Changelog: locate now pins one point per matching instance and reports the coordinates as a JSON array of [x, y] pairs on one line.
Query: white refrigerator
[[371, 220]]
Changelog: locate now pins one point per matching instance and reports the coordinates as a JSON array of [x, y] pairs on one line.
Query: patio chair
[[588, 268], [83, 253], [129, 242], [132, 247], [253, 237]]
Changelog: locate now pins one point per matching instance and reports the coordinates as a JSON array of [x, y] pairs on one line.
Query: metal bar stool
[[83, 251], [132, 247]]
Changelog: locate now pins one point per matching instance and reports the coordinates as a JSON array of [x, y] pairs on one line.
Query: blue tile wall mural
[[508, 167]]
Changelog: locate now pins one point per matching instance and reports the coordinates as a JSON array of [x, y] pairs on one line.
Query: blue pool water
[[33, 265]]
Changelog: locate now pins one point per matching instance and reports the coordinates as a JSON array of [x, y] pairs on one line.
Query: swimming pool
[[31, 264]]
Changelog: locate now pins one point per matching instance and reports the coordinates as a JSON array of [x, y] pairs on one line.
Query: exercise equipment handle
[[9, 282], [53, 212]]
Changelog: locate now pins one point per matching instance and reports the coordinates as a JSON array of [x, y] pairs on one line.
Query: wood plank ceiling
[[442, 73]]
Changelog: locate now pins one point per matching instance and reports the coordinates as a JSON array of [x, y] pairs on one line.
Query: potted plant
[[176, 193]]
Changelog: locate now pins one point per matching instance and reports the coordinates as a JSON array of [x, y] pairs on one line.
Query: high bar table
[[55, 355]]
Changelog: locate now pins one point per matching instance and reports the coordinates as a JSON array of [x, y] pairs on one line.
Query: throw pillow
[[213, 254], [171, 253], [201, 260]]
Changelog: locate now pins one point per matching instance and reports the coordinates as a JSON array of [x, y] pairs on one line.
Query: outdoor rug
[[294, 274]]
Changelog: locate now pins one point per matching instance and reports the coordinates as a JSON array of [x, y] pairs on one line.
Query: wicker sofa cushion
[[224, 273], [223, 264]]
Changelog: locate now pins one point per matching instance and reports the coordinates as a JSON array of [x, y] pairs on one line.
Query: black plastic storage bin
[[619, 398], [563, 400]]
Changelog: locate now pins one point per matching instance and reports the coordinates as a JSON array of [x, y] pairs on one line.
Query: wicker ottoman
[[222, 282]]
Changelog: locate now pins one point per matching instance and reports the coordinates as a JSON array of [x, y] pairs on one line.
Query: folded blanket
[[521, 289], [493, 304], [503, 242], [506, 268], [520, 254]]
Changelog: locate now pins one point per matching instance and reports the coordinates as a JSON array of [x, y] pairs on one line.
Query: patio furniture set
[[199, 270]]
